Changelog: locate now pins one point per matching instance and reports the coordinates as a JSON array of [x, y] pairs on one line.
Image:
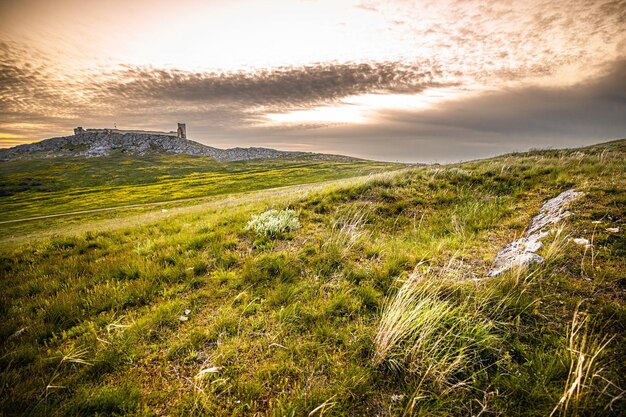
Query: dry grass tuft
[[585, 369], [347, 230], [429, 329]]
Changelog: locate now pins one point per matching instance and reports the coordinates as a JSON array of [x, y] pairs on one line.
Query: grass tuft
[[585, 375], [430, 329]]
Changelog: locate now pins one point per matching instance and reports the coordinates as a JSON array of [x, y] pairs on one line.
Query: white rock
[[19, 332], [164, 211], [552, 211], [183, 318], [519, 260], [612, 229], [211, 370], [533, 245], [521, 253], [581, 241], [187, 312]]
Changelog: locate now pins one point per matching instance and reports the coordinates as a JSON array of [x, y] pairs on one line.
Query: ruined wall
[[182, 131], [80, 130]]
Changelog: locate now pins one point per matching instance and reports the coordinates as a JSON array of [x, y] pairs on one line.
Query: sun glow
[[366, 107], [322, 114]]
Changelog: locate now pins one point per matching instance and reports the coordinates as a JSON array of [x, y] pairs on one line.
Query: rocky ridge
[[97, 144]]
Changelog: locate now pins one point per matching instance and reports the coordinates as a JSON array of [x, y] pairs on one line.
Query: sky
[[395, 80]]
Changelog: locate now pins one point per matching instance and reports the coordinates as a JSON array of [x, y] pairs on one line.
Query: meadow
[[374, 301], [39, 187]]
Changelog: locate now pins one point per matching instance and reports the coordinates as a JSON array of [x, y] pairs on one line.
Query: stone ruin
[[180, 133]]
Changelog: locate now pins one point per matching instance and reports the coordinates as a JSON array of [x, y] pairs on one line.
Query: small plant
[[272, 223]]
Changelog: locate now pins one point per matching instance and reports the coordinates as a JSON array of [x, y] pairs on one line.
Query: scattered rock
[[596, 222], [187, 312], [612, 229], [206, 371], [278, 345], [163, 210], [183, 318], [521, 253], [582, 242], [19, 332]]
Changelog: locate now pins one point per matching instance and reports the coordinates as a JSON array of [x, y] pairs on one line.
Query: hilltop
[[105, 142], [364, 296]]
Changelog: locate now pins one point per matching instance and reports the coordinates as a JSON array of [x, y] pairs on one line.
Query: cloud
[[535, 64], [293, 86], [535, 111], [221, 109], [483, 40], [139, 96], [504, 120]]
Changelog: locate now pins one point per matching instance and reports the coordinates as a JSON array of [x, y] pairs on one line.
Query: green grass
[[370, 308], [39, 187]]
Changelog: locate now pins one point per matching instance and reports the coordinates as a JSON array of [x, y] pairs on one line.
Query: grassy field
[[374, 305], [41, 187]]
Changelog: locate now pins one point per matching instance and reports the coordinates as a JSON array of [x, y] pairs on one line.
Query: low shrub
[[272, 223]]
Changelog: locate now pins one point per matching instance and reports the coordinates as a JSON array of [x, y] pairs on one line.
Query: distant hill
[[96, 144]]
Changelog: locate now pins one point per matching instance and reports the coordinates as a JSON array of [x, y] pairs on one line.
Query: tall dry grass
[[585, 380], [435, 327]]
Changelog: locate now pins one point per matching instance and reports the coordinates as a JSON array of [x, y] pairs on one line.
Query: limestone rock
[[582, 242], [552, 211], [521, 253], [512, 257]]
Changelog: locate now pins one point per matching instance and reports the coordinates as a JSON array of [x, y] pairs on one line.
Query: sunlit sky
[[391, 80]]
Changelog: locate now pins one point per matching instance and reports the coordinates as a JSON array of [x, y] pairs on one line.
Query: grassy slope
[[286, 326], [48, 186]]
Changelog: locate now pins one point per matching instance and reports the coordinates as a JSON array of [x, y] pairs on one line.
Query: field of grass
[[39, 187], [375, 304]]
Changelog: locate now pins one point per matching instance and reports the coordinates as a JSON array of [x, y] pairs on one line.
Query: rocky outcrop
[[522, 252], [101, 143]]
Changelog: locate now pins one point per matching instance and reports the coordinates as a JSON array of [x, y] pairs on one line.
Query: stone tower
[[182, 131]]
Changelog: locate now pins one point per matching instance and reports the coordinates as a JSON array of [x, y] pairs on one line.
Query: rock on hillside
[[522, 251], [95, 144]]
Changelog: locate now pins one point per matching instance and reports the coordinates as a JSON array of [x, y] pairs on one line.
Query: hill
[[106, 143], [363, 296]]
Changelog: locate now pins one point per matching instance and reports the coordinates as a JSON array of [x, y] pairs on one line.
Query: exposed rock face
[[552, 211], [521, 252], [95, 144]]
